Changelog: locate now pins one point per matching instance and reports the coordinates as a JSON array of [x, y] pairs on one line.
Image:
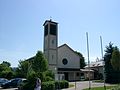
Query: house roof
[[96, 64]]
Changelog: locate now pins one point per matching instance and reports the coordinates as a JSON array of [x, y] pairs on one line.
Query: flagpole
[[103, 61], [88, 59]]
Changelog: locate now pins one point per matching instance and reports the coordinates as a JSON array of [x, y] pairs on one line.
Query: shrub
[[48, 78], [48, 85], [49, 73], [61, 84]]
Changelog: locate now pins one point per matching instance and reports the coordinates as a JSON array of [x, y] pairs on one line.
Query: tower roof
[[50, 21]]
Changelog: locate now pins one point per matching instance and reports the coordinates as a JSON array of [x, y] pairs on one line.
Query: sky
[[21, 26]]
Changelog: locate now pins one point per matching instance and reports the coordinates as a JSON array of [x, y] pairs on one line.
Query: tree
[[82, 60], [22, 69], [39, 63], [115, 61], [6, 63], [111, 75], [5, 70]]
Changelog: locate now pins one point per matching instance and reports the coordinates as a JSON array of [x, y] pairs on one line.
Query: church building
[[62, 60]]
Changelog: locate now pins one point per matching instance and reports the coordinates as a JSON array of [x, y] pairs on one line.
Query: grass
[[100, 88]]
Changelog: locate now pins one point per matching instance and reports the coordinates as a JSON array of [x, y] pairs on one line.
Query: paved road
[[85, 84], [8, 89]]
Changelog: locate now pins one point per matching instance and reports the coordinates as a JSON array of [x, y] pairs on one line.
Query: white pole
[[103, 63], [88, 59]]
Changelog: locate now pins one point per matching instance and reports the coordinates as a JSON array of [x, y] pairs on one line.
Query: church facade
[[62, 60]]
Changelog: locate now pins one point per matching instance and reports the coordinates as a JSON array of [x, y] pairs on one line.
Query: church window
[[64, 61], [46, 30], [52, 57], [53, 29], [52, 41]]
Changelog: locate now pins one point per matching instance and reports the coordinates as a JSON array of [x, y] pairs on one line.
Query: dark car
[[21, 83], [13, 83], [3, 80]]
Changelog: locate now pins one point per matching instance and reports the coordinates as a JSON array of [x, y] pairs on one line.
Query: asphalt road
[[85, 84], [8, 89]]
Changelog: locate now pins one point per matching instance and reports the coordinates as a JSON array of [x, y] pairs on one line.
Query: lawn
[[100, 88]]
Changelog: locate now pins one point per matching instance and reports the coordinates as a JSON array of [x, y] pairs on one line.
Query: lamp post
[[103, 62], [75, 80], [88, 60]]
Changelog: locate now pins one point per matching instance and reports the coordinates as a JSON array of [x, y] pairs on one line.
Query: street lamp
[[103, 62], [88, 60], [75, 80]]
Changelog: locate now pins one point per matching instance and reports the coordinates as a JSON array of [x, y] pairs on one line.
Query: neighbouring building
[[97, 66]]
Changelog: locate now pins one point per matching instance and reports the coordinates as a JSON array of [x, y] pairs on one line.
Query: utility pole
[[103, 62], [88, 60]]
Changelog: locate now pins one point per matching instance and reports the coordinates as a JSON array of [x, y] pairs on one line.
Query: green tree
[[6, 63], [6, 70], [39, 63], [111, 75], [115, 61], [22, 69], [82, 60]]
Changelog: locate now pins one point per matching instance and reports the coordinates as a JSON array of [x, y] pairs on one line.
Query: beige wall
[[73, 59]]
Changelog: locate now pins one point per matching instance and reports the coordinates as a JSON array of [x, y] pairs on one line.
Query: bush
[[48, 78], [61, 84], [48, 85], [50, 74], [53, 85]]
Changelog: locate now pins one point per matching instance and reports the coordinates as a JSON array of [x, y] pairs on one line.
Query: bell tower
[[51, 43]]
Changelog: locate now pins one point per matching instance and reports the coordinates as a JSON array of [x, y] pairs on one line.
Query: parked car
[[13, 83], [3, 80], [21, 83]]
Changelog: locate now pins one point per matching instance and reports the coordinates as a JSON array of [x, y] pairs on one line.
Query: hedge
[[61, 84], [50, 85]]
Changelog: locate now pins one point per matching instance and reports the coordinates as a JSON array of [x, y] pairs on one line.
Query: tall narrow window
[[46, 30], [52, 57], [53, 29], [53, 42]]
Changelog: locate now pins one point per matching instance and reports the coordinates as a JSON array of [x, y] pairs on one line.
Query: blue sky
[[21, 25]]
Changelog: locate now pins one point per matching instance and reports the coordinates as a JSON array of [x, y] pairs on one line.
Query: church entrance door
[[66, 76]]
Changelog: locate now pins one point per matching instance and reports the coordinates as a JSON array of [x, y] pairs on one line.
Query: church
[[62, 60]]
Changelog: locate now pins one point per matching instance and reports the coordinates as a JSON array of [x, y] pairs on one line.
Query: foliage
[[22, 69], [61, 84], [82, 60], [49, 73], [7, 74], [39, 63], [48, 85], [5, 70], [111, 75], [115, 60], [30, 85], [6, 63]]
